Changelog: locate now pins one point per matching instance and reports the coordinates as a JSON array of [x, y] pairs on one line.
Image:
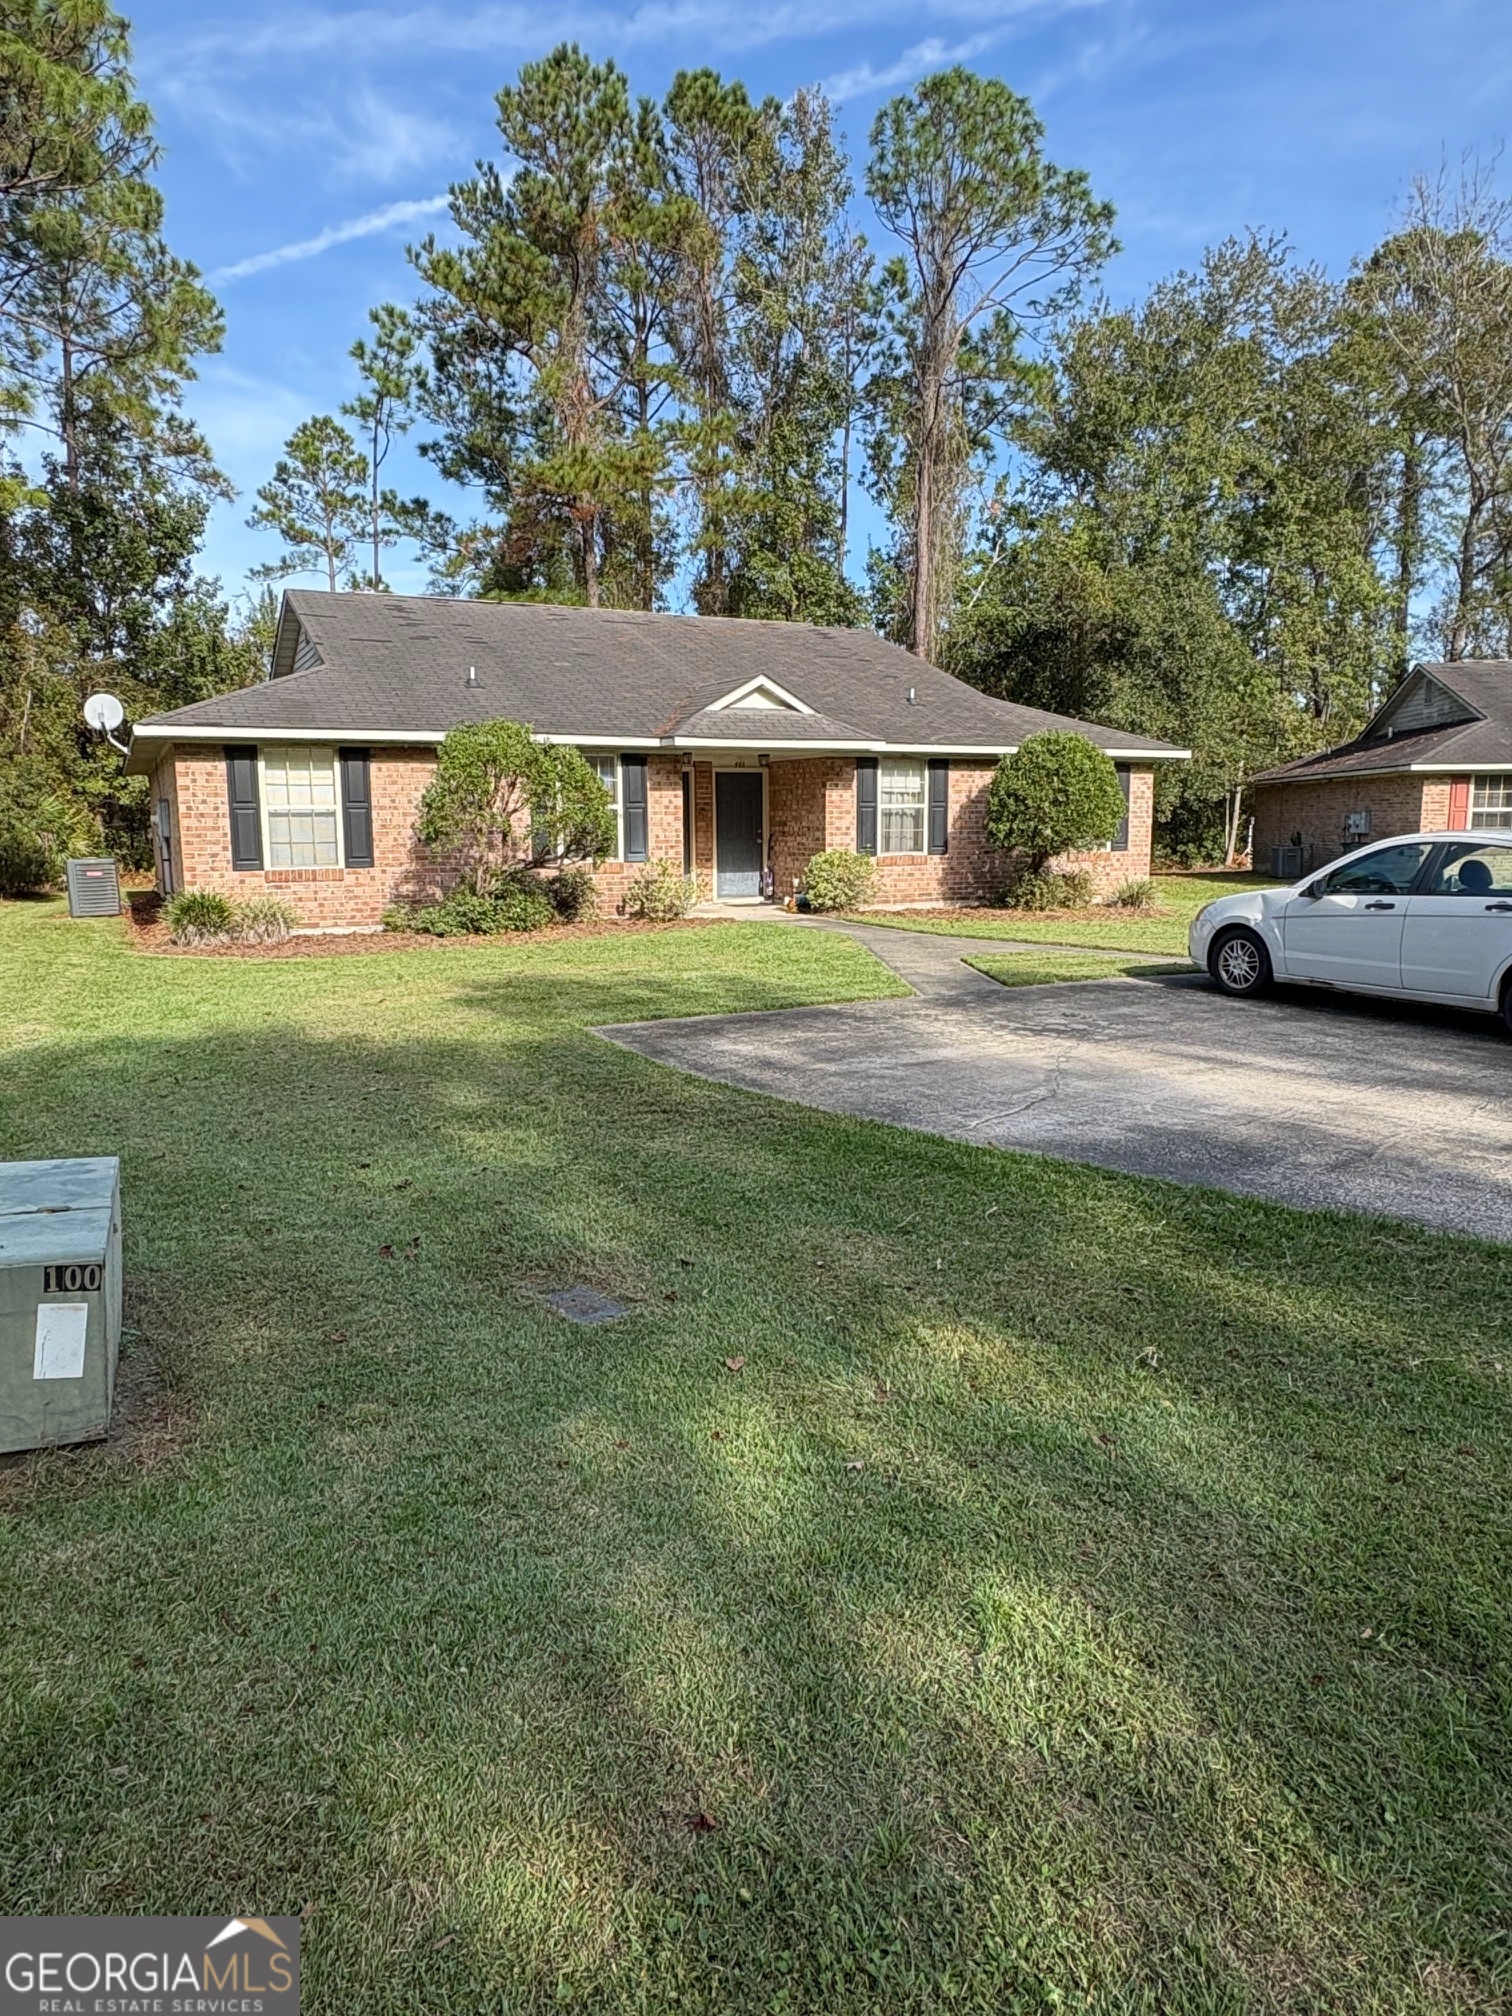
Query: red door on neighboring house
[[1459, 804]]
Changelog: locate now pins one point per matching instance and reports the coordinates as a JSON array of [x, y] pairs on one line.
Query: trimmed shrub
[[838, 879], [200, 917], [518, 904], [1136, 895], [660, 893], [1043, 889], [521, 904], [573, 895], [262, 920], [1058, 795]]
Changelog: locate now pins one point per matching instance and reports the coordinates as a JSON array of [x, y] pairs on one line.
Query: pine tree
[[995, 239], [316, 501]]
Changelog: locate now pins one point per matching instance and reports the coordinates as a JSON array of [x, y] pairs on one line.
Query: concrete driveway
[[1312, 1098]]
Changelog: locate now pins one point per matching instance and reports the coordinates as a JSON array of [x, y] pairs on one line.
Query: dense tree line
[[657, 351], [104, 486]]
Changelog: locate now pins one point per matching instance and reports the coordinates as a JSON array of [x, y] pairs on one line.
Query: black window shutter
[[1121, 837], [866, 804], [939, 805], [356, 808], [241, 796], [633, 798]]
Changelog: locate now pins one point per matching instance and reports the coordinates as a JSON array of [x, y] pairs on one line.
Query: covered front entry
[[738, 833]]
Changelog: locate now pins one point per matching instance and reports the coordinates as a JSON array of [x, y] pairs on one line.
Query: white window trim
[[921, 766], [1480, 786], [593, 757], [263, 752]]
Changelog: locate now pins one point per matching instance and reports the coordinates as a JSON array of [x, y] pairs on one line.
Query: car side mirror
[[1313, 891]]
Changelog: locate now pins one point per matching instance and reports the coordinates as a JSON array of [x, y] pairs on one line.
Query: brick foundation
[[1397, 804]]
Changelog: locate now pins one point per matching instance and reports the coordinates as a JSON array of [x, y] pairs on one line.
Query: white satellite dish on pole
[[104, 713]]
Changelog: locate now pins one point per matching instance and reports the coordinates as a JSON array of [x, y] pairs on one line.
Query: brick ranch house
[[734, 749], [1437, 758]]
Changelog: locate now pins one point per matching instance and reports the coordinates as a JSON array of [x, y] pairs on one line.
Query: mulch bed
[[1095, 913], [153, 937]]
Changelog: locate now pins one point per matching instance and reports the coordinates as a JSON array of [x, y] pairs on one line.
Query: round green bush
[[521, 904], [1059, 794], [838, 879], [660, 893], [200, 917], [573, 895]]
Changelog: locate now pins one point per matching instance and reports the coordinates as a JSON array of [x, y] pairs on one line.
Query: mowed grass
[[1086, 1594], [1048, 969], [1164, 929]]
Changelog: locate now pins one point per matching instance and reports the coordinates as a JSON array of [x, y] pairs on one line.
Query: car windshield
[[1391, 871], [1469, 870]]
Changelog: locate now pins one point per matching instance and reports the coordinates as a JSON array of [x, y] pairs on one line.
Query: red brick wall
[[812, 797], [1397, 804], [664, 830], [811, 805], [194, 781]]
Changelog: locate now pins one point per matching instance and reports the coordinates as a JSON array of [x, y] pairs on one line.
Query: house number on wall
[[69, 1280]]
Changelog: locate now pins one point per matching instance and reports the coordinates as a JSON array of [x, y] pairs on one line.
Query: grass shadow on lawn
[[463, 1622]]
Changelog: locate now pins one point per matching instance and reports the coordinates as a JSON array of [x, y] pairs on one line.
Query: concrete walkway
[[1312, 1098]]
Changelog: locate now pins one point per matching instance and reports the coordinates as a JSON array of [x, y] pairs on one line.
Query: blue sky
[[306, 145]]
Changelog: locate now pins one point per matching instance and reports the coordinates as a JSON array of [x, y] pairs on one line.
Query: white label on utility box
[[61, 1330]]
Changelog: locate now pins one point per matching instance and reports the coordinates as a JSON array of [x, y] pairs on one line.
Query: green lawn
[[1088, 1595], [1046, 969], [1180, 897]]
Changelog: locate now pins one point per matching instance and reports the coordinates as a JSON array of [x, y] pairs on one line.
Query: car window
[[1390, 871], [1468, 870]]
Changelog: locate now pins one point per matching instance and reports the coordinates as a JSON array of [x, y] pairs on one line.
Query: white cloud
[[932, 54], [372, 32], [333, 234]]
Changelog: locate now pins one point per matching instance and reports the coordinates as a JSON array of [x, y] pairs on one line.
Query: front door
[[1350, 931], [1458, 935], [737, 833]]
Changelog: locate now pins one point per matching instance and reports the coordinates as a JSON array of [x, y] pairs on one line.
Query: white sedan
[[1425, 917]]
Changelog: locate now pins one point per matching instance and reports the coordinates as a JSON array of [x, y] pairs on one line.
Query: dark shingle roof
[[1484, 684], [397, 664]]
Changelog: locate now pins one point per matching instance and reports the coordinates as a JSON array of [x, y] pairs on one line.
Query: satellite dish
[[104, 711]]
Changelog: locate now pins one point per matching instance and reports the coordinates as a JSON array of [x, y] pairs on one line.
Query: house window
[[900, 807], [1491, 803], [300, 803], [607, 770]]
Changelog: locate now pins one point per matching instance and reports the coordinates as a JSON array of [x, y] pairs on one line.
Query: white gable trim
[[741, 697]]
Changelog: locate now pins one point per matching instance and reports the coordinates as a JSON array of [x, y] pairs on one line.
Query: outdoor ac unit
[[94, 889], [60, 1300], [1286, 864]]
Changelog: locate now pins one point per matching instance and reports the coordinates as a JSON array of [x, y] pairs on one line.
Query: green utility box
[[60, 1300]]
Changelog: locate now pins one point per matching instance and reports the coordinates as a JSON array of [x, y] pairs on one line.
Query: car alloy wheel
[[1240, 963]]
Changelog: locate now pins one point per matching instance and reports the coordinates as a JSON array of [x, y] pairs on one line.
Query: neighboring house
[[734, 749], [1436, 758]]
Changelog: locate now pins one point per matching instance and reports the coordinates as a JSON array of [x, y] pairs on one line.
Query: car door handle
[[1380, 906], [1499, 906]]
